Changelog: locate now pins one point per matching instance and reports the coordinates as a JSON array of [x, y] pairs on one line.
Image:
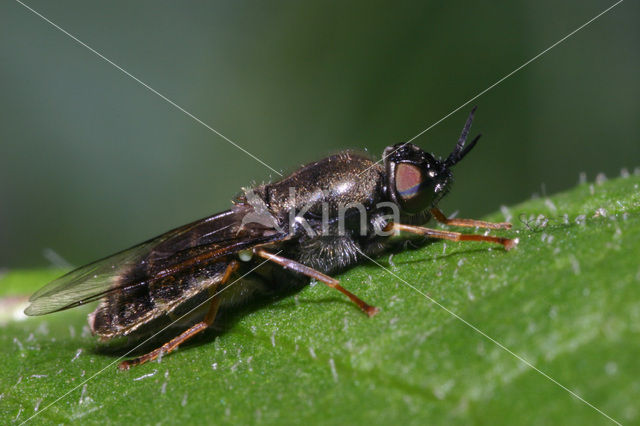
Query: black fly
[[312, 223]]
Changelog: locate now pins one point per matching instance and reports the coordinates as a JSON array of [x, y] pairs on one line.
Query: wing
[[183, 249]]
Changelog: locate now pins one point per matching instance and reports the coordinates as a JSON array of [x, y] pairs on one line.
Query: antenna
[[460, 150]]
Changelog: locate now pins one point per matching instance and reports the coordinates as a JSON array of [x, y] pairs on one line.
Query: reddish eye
[[414, 187], [408, 180]]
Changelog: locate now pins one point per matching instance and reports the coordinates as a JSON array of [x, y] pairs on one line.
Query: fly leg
[[173, 344], [507, 243], [470, 223], [310, 272]]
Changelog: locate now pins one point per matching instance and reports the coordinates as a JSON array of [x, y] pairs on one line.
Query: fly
[[320, 219]]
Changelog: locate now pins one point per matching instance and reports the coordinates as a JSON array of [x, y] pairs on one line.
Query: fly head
[[416, 179]]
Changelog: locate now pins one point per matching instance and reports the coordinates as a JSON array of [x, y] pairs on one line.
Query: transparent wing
[[84, 284], [201, 241]]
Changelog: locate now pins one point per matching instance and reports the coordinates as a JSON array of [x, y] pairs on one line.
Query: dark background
[[92, 162]]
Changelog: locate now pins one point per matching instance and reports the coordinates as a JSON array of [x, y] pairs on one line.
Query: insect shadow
[[225, 321], [228, 317]]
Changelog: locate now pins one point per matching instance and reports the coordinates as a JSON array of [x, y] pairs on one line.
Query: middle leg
[[312, 273]]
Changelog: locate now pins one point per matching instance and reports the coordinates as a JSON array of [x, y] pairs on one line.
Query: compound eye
[[411, 188], [408, 180]]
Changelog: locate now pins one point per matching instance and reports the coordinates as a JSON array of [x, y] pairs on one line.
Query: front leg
[[469, 223], [507, 243]]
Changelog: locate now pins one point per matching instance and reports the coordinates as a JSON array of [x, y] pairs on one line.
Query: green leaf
[[567, 300]]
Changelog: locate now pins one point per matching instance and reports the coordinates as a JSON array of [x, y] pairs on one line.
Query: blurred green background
[[92, 162]]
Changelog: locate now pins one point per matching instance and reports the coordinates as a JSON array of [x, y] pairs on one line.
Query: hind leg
[[173, 344]]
